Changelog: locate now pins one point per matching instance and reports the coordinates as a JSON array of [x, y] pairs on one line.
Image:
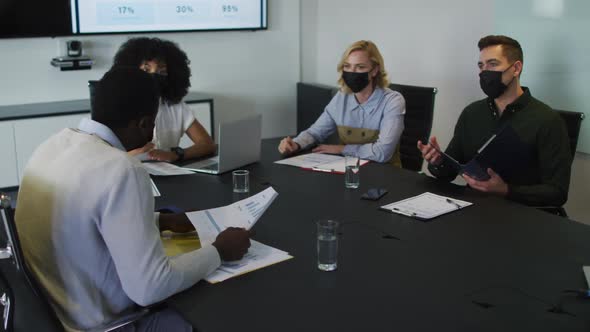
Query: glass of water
[[351, 174], [241, 180], [327, 245]]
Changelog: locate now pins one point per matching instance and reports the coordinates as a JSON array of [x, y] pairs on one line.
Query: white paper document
[[318, 162], [244, 214], [164, 169], [259, 255], [425, 206], [143, 156], [155, 190], [586, 270]]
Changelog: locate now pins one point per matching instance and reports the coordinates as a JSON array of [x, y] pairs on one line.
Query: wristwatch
[[179, 152]]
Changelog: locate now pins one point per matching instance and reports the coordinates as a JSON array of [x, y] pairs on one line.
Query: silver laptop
[[238, 144]]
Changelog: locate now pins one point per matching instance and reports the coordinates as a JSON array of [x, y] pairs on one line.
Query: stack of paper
[[425, 206], [586, 270], [164, 169], [155, 190], [319, 162], [259, 255], [243, 214]]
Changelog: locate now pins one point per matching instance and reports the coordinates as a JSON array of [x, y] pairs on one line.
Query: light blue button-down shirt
[[87, 227], [383, 111], [96, 128]]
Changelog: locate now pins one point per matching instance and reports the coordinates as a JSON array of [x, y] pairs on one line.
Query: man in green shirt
[[545, 179]]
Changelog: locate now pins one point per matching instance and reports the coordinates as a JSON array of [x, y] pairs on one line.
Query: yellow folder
[[179, 243]]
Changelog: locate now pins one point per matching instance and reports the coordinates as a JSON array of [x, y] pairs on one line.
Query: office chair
[[25, 306], [311, 101], [573, 123], [6, 304], [92, 90], [417, 122]]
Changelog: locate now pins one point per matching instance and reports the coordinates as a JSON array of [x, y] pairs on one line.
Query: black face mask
[[162, 81], [355, 81], [491, 82]]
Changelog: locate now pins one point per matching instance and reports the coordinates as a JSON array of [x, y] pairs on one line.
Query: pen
[[585, 293], [450, 201], [410, 214], [322, 170]]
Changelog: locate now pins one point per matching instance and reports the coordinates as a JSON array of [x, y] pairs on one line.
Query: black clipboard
[[504, 152]]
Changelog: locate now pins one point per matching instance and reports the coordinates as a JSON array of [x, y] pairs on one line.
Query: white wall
[[424, 42], [244, 71], [554, 51], [554, 54]]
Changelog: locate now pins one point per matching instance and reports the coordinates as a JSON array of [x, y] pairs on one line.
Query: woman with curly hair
[[170, 64]]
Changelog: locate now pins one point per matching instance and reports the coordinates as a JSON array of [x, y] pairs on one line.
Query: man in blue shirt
[[86, 220]]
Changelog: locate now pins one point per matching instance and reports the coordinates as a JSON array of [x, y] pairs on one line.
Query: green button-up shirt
[[540, 128]]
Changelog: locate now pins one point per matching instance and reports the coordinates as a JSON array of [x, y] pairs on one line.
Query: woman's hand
[[332, 149], [161, 155], [146, 148], [288, 146]]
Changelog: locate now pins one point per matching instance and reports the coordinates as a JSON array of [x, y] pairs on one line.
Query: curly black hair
[[137, 50]]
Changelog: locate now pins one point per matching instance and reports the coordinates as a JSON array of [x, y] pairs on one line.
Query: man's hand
[[495, 184], [288, 146], [161, 155], [429, 151], [325, 148], [146, 148], [233, 243], [175, 222]]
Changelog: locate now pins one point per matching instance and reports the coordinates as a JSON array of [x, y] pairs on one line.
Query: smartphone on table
[[374, 194]]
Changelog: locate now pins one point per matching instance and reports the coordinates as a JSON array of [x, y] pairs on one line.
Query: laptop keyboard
[[212, 163], [213, 166]]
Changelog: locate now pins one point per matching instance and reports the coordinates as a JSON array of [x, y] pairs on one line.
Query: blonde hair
[[381, 80]]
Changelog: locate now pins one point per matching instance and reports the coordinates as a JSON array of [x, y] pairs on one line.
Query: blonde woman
[[368, 116]]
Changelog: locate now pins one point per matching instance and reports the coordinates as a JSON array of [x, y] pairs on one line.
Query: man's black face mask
[[491, 82]]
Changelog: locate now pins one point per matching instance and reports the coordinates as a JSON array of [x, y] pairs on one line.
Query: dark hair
[[510, 47], [124, 94], [137, 50]]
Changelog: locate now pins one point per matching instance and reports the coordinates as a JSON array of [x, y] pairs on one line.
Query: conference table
[[492, 266]]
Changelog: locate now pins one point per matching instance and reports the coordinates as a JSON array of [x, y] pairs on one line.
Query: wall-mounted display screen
[[112, 16], [78, 17]]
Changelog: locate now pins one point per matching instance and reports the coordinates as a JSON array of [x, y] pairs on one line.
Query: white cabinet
[[30, 133], [8, 170], [24, 127]]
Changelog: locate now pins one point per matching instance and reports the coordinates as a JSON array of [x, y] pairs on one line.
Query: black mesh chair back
[[417, 122], [312, 99], [573, 123], [28, 308], [6, 303], [92, 90]]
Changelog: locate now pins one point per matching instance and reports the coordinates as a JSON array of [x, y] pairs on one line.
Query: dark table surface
[[493, 266]]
